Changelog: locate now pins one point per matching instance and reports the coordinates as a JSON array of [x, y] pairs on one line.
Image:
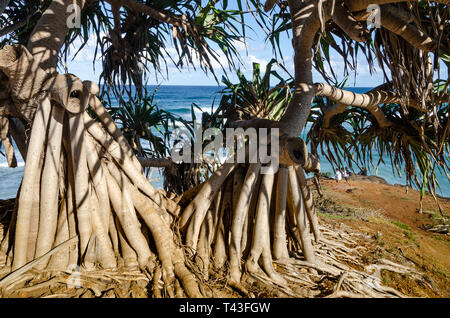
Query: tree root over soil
[[340, 271], [242, 214]]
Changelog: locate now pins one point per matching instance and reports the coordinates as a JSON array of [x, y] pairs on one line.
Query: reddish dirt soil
[[390, 216]]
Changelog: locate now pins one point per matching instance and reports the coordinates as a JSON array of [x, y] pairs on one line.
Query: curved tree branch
[[400, 22], [139, 7], [374, 97], [369, 101], [155, 162], [360, 5], [347, 22]]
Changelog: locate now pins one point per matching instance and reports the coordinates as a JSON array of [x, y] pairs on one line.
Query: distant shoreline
[[381, 180]]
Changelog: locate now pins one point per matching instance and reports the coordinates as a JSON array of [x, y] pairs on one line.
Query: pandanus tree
[[83, 188], [248, 218], [82, 181]]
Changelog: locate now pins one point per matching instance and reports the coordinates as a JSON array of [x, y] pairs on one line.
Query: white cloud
[[254, 59], [216, 64], [87, 53], [240, 46]]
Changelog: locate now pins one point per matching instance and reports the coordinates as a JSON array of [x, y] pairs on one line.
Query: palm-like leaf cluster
[[133, 44], [19, 18], [256, 97], [410, 145], [141, 119]]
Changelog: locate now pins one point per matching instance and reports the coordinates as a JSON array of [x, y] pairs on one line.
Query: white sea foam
[[5, 164]]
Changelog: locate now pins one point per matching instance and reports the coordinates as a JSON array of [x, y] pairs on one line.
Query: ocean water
[[178, 99]]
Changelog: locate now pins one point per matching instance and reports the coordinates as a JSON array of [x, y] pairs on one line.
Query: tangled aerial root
[[339, 258], [339, 272], [82, 181], [242, 214], [104, 284]]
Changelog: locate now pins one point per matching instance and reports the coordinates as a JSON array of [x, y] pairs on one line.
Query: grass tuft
[[401, 225]]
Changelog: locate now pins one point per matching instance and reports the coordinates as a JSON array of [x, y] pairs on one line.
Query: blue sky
[[256, 49]]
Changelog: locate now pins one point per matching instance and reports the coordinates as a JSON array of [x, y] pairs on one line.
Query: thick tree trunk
[[263, 210], [305, 25], [50, 33]]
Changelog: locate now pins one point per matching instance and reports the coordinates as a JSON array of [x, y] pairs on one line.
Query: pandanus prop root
[[82, 180], [242, 214]]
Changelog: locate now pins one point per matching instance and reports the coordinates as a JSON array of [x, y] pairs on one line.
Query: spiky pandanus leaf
[[257, 98]]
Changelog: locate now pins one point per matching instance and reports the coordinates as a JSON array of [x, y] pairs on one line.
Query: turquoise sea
[[178, 99]]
